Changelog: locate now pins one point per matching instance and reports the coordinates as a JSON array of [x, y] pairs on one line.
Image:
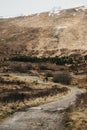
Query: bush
[[62, 77], [42, 67], [21, 68], [49, 75], [29, 67]]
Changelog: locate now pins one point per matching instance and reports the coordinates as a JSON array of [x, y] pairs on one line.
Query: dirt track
[[43, 117]]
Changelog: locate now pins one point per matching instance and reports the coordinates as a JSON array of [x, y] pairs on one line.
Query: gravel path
[[43, 117]]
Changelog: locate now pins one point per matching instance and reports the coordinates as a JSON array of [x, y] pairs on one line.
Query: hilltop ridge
[[58, 33]]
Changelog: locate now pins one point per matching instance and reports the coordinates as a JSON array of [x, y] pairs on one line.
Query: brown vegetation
[[80, 81], [62, 77], [44, 35], [76, 116], [16, 94]]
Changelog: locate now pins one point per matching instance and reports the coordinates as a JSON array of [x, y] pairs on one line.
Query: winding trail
[[44, 117]]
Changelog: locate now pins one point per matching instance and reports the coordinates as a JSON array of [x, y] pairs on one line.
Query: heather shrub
[[42, 67], [49, 74], [21, 68], [62, 77]]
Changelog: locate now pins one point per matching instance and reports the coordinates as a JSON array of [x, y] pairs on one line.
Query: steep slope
[[47, 34]]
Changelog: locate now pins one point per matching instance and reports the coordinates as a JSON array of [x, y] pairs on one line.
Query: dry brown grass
[[16, 94], [79, 119], [77, 115], [44, 35], [80, 81]]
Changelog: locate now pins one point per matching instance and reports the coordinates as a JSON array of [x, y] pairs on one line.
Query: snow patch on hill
[[55, 10], [83, 8]]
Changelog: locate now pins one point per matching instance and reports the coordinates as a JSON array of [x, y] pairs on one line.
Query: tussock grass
[[76, 116], [16, 94]]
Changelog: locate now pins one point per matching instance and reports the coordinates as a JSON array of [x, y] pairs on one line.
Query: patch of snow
[[52, 13], [55, 10], [49, 14], [77, 9], [81, 8], [38, 14]]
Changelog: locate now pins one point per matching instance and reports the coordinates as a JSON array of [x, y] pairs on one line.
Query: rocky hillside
[[46, 34]]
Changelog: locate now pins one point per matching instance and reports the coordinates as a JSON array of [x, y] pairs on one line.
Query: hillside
[[46, 34], [43, 71]]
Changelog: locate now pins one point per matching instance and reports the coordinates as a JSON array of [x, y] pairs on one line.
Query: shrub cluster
[[23, 68], [56, 60], [62, 77]]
